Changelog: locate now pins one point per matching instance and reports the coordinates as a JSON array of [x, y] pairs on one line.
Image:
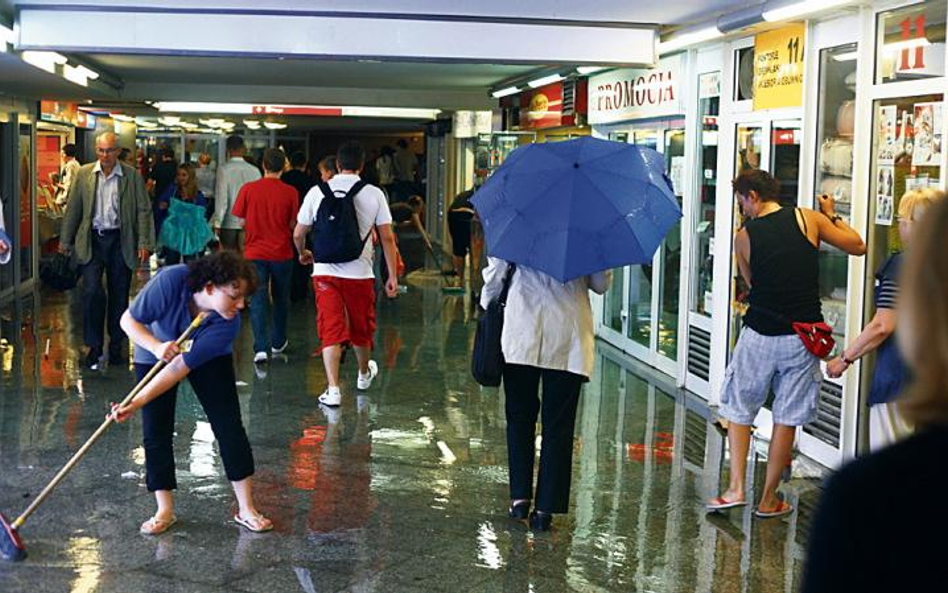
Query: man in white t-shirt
[[345, 292]]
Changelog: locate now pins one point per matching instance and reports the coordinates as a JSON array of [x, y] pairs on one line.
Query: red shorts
[[345, 310]]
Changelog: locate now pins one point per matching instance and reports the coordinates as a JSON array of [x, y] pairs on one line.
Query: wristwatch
[[843, 358]]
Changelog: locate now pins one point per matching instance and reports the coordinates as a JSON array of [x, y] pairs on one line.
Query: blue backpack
[[336, 236]]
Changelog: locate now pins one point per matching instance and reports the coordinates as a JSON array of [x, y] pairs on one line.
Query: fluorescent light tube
[[200, 107], [798, 9], [586, 70], [533, 84], [685, 39], [510, 90]]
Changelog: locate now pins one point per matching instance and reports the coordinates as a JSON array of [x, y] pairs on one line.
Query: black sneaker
[[91, 360]]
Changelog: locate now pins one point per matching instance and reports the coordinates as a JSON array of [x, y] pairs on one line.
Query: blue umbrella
[[577, 207]]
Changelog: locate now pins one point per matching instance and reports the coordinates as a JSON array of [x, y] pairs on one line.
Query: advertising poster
[[928, 140], [887, 134], [885, 204]]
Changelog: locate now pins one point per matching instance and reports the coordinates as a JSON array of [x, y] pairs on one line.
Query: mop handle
[[105, 425]]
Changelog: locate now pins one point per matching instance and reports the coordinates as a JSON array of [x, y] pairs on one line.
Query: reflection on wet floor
[[403, 488]]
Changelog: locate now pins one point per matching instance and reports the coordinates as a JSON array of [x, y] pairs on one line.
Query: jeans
[[273, 280], [106, 257], [560, 398]]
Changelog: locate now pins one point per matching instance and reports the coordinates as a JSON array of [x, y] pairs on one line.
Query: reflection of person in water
[[5, 241]]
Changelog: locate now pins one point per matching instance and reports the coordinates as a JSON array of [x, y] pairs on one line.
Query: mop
[[11, 546]]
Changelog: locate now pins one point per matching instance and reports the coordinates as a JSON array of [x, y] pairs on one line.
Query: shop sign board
[[59, 112], [542, 107], [778, 67], [85, 120], [632, 93], [709, 85], [468, 124]]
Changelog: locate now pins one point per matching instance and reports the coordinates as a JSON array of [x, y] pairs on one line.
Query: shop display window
[[708, 111], [907, 152], [25, 250], [10, 208], [744, 67], [785, 159], [910, 42], [834, 172]]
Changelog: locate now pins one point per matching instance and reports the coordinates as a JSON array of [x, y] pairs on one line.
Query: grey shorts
[[761, 363]]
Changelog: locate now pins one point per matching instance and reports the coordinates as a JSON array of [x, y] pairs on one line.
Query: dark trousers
[[560, 398], [214, 384], [106, 257], [273, 281]]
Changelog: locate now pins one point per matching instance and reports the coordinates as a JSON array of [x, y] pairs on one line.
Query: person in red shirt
[[269, 207]]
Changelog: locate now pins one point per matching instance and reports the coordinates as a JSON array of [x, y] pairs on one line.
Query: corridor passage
[[402, 489]]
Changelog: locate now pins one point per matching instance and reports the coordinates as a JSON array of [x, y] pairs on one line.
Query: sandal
[[784, 508], [256, 523], [720, 504], [156, 526]]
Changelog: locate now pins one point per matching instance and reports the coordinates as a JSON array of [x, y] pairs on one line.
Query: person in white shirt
[[345, 292], [231, 176], [548, 335], [70, 166]]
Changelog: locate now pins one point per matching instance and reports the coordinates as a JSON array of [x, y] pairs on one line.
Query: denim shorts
[[761, 363]]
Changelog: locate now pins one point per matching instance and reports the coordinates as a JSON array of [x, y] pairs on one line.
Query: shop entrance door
[[640, 312], [772, 145]]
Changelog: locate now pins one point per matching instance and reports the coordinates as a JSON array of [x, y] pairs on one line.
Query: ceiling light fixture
[[393, 112], [510, 90], [272, 125], [846, 57], [683, 40], [587, 70], [533, 84], [75, 75], [201, 107], [784, 11], [169, 120], [121, 117], [7, 35], [44, 60]]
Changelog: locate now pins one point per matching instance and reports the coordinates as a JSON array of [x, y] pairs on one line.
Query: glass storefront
[[910, 42], [24, 248], [708, 110]]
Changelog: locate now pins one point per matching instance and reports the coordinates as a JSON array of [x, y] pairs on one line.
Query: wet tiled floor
[[402, 489]]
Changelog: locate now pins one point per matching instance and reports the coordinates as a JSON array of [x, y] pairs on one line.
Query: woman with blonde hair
[[886, 423], [880, 525]]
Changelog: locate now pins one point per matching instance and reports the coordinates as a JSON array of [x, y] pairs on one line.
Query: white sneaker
[[259, 357], [281, 348], [363, 382], [331, 397]]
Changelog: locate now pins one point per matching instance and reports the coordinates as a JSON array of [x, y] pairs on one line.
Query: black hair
[[766, 185], [297, 159], [329, 164], [402, 142], [350, 156], [273, 160], [416, 201], [70, 150], [167, 153], [226, 267], [123, 154], [235, 143]]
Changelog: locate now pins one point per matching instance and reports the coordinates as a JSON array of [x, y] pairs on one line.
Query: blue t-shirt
[[162, 305]]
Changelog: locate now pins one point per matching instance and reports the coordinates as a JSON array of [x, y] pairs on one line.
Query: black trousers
[[560, 399], [214, 384], [106, 257]]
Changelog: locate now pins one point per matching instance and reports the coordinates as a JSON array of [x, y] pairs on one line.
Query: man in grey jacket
[[108, 224], [231, 176]]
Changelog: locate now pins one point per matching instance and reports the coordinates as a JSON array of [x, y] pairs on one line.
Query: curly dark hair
[[766, 185], [220, 269]]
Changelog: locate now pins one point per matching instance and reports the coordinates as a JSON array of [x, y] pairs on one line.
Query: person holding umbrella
[[556, 218]]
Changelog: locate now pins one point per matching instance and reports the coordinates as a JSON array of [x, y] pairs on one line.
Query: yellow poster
[[778, 68]]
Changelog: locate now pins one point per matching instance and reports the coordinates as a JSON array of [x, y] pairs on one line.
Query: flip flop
[[158, 526], [721, 504], [254, 524], [785, 508]]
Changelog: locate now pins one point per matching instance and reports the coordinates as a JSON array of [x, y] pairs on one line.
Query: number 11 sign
[[778, 67]]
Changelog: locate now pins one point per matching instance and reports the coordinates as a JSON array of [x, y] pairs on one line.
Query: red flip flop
[[721, 504], [785, 508]]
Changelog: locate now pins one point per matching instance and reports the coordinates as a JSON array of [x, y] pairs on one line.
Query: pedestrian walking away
[[231, 176], [778, 257], [269, 208], [218, 285], [343, 279], [108, 226]]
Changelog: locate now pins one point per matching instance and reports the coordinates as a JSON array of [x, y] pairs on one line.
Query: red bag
[[817, 337]]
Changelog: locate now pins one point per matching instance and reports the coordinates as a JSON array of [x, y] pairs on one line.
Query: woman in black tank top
[[777, 253]]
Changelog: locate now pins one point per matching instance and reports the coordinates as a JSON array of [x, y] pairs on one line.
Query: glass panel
[[704, 210], [9, 212], [907, 153], [619, 136], [669, 279], [26, 204], [744, 67], [640, 304], [749, 146], [612, 301], [834, 172], [785, 159], [647, 138], [910, 42]]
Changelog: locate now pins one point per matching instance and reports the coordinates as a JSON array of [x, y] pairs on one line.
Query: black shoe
[[519, 511], [540, 521], [117, 359], [91, 360]]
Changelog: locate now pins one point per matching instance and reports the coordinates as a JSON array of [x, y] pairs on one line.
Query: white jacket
[[547, 324]]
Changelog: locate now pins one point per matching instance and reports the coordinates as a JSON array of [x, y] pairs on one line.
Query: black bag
[[487, 362], [58, 273], [336, 236]]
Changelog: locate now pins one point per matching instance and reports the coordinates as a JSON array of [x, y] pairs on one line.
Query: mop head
[[447, 289], [11, 546]]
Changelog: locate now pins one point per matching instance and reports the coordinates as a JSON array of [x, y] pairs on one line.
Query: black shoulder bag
[[487, 362]]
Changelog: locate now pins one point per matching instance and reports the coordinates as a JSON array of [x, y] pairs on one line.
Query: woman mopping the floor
[[217, 285]]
